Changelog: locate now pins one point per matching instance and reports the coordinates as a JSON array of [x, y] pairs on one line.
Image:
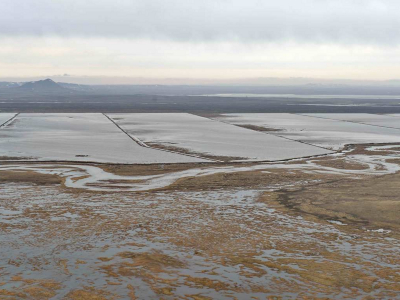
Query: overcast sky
[[355, 39]]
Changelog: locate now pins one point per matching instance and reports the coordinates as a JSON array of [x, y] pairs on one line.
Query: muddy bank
[[367, 202]]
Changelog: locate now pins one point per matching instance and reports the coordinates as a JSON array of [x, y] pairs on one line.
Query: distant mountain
[[77, 87], [46, 85], [41, 87]]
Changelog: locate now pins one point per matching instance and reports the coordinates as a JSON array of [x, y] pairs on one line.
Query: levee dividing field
[[5, 118], [368, 119], [178, 206]]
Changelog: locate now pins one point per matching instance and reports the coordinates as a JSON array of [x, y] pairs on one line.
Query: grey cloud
[[328, 21]]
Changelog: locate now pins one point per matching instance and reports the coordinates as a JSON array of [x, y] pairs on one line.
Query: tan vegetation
[[308, 234]]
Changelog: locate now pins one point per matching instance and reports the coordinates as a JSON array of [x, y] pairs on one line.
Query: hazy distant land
[[48, 96]]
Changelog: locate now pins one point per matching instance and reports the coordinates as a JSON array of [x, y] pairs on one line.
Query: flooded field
[[299, 96], [324, 227], [75, 137], [331, 131], [189, 133], [170, 138], [5, 117], [367, 119]]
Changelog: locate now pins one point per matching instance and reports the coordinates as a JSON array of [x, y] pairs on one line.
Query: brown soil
[[340, 163], [29, 177], [199, 154], [89, 294], [362, 149], [242, 180], [134, 170], [372, 201], [258, 128], [8, 158], [209, 237]]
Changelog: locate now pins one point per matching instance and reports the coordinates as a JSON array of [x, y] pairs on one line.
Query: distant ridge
[[46, 85], [6, 85]]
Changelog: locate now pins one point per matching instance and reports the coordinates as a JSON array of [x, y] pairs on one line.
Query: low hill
[[43, 86]]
